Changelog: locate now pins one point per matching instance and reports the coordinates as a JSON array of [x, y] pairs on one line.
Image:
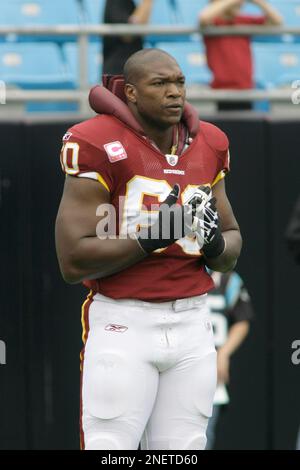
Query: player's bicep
[[77, 215], [226, 215]]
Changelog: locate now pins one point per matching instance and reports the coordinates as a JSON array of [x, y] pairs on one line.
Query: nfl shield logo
[[172, 159]]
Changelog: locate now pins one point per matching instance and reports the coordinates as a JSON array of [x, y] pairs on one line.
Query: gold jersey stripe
[[103, 182], [83, 311], [220, 176]]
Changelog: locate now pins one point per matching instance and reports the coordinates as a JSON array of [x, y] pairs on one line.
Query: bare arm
[[215, 9], [81, 254], [230, 231], [272, 15], [141, 14], [236, 336]]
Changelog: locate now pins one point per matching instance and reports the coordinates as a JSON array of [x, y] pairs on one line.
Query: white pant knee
[[102, 442]]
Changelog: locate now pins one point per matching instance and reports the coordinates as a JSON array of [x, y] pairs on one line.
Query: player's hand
[[171, 225], [206, 222]]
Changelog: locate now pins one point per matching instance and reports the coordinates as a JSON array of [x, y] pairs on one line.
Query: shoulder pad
[[215, 138]]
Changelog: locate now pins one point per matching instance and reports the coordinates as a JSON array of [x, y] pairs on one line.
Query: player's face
[[160, 93]]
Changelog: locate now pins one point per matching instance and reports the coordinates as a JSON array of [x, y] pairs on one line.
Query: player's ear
[[130, 92]]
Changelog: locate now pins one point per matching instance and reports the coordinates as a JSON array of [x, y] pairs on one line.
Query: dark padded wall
[[15, 285], [40, 317], [57, 306], [283, 151], [245, 185]]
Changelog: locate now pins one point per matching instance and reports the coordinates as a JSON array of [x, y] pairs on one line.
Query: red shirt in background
[[229, 57]]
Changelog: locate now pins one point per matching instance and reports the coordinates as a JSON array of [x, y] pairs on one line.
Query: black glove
[[206, 222], [214, 243], [171, 225]]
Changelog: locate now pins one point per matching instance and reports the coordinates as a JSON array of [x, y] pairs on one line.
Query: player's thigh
[[119, 387], [183, 406], [117, 405]]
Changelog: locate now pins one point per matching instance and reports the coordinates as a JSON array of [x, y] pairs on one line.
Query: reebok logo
[[67, 136], [116, 328]]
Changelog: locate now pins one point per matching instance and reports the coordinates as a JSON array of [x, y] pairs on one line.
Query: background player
[[149, 360], [231, 311]]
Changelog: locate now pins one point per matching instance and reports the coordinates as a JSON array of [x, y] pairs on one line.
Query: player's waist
[[178, 305]]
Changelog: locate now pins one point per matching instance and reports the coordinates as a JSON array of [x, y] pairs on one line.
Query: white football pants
[[149, 374]]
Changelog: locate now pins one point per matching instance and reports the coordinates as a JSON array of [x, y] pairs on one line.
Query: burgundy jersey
[[130, 167]]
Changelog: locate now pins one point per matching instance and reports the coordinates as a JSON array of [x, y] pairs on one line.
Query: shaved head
[[140, 62], [154, 89]]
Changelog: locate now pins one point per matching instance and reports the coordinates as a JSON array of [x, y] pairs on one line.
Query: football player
[[143, 212]]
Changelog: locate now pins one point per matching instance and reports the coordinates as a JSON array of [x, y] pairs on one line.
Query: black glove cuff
[[147, 244], [163, 233], [215, 247]]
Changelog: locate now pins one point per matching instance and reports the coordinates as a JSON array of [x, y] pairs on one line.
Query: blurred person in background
[[229, 57], [231, 312], [117, 49]]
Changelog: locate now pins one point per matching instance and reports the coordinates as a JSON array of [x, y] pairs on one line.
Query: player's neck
[[163, 138]]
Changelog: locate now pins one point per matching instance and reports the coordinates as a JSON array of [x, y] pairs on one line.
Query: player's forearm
[[272, 15], [215, 9], [236, 336], [227, 260], [94, 258]]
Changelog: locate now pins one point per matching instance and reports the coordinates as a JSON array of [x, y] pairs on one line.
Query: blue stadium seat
[[162, 12], [168, 12], [188, 11], [192, 59], [51, 107], [33, 65], [289, 9], [70, 52], [39, 12], [276, 64], [94, 10]]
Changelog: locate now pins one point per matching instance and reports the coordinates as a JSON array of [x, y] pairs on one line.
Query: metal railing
[[84, 31]]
